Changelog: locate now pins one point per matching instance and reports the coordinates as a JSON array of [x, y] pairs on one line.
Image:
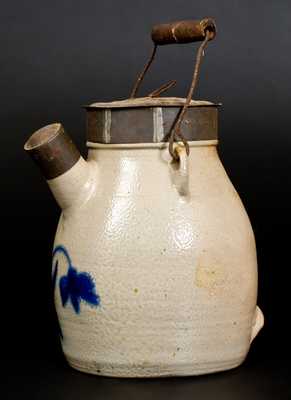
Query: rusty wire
[[175, 132], [143, 72], [162, 89]]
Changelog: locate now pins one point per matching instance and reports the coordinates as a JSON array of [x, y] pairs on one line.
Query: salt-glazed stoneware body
[[154, 264]]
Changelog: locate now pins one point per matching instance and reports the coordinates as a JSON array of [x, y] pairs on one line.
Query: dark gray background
[[58, 55]]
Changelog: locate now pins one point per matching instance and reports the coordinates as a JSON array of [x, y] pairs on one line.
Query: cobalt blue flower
[[76, 286]]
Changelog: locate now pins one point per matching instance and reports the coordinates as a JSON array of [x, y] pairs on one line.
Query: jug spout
[[60, 162]]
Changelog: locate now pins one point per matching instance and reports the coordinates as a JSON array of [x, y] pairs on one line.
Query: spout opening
[[43, 136]]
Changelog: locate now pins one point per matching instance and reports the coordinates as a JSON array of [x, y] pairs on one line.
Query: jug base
[[152, 371]]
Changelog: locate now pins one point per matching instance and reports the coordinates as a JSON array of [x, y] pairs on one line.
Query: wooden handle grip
[[183, 31]]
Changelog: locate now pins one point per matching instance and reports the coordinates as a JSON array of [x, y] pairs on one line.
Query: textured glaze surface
[[175, 270]]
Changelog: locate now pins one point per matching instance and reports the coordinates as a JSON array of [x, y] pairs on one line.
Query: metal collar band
[[149, 124]]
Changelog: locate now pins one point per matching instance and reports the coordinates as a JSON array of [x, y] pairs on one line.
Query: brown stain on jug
[[210, 277]]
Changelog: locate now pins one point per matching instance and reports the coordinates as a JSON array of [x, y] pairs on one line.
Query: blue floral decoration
[[75, 286]]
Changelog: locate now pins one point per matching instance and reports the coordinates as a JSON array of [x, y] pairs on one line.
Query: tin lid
[[153, 118], [150, 102], [150, 120]]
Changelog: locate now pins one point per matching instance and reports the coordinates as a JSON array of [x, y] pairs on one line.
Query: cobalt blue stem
[[62, 249]]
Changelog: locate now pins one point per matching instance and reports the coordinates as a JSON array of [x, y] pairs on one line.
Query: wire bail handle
[[179, 32]]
